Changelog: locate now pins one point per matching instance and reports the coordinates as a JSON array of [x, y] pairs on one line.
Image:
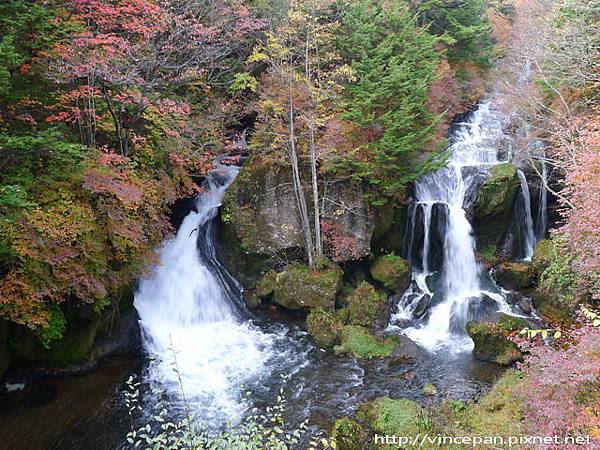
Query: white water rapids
[[191, 305]]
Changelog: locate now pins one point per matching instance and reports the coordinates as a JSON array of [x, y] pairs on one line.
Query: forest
[[290, 224]]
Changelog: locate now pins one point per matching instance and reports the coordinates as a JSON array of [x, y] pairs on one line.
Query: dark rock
[[515, 275], [491, 339], [422, 306], [525, 305], [491, 210]]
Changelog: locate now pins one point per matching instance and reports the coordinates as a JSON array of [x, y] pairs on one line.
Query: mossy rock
[[491, 339], [429, 389], [515, 275], [392, 272], [499, 412], [301, 288], [361, 343], [73, 348], [494, 202], [386, 416], [348, 435], [542, 256], [324, 328], [365, 305], [556, 315], [488, 255]]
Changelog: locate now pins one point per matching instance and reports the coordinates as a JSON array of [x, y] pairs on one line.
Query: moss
[[361, 343], [542, 256], [488, 255], [392, 272], [387, 416], [429, 389], [556, 315], [348, 435], [498, 413], [494, 201], [301, 288], [515, 275], [364, 305], [491, 340], [324, 328], [74, 347]]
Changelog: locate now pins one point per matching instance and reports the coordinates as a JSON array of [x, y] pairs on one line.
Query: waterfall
[[541, 222], [524, 217], [459, 291], [191, 305]]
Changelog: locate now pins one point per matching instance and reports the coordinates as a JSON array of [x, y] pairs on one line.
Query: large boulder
[[542, 256], [260, 208], [301, 288], [348, 435], [515, 275], [491, 339], [366, 306], [392, 417], [324, 328], [392, 272], [361, 343], [491, 210]]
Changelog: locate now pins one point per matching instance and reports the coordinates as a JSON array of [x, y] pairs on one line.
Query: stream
[[227, 359]]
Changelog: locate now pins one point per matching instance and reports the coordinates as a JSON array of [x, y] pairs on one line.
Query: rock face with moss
[[386, 416], [348, 435], [362, 344], [491, 210], [324, 328], [392, 272], [260, 209], [491, 339], [366, 307], [515, 275], [301, 288]]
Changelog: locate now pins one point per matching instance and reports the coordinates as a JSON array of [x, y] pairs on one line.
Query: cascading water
[[192, 306], [524, 217], [541, 222], [459, 290]]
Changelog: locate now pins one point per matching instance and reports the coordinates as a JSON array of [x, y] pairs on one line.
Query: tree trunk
[[298, 189], [313, 157], [116, 121]]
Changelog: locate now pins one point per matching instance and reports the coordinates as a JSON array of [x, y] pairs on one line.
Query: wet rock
[[361, 343], [408, 375], [348, 435], [429, 390], [392, 272], [300, 288], [366, 306], [515, 275], [525, 305], [491, 339], [399, 417], [542, 256], [324, 328], [422, 306], [491, 209]]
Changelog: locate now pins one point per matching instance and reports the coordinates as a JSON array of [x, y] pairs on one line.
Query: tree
[[395, 63], [133, 53], [305, 69], [466, 25]]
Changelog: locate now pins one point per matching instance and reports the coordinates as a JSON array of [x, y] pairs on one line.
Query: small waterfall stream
[[523, 216], [192, 306], [454, 288]]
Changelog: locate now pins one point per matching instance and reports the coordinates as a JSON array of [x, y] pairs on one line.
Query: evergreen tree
[[395, 62]]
